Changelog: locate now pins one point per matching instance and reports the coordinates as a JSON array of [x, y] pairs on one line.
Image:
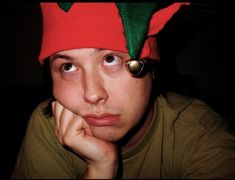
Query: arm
[[73, 132]]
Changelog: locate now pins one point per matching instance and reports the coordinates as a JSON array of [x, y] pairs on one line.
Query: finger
[[53, 111], [53, 106], [78, 124], [65, 118], [77, 128], [85, 125], [79, 138], [58, 108], [78, 135]]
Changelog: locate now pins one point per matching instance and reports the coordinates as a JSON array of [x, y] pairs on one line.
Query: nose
[[94, 90]]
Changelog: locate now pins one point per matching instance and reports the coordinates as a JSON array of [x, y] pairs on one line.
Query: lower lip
[[103, 121]]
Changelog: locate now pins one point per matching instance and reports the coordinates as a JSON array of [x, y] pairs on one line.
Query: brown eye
[[68, 67], [111, 60]]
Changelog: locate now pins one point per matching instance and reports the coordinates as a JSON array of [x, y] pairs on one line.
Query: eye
[[68, 67], [111, 60]]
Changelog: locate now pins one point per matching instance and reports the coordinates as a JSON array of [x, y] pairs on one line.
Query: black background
[[197, 58]]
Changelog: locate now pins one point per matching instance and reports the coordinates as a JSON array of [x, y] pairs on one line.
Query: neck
[[134, 136]]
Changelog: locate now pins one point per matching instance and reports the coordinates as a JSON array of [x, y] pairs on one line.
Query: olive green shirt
[[187, 139]]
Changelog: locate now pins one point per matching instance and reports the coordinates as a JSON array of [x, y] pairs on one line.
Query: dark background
[[197, 59]]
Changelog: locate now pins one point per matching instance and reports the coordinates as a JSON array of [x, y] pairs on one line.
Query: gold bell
[[135, 67]]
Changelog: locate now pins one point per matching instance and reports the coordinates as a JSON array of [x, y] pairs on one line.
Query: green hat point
[[136, 18], [65, 6]]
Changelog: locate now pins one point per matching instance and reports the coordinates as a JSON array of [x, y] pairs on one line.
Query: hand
[[73, 131]]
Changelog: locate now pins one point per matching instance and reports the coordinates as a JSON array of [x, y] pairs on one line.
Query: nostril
[[95, 93]]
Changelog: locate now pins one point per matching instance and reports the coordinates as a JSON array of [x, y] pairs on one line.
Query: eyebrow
[[62, 56], [66, 57]]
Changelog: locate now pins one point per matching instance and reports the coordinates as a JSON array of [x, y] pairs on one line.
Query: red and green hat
[[126, 27]]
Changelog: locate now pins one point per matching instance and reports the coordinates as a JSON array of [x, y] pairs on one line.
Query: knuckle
[[66, 140], [59, 137]]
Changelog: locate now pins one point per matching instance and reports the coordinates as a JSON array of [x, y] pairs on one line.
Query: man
[[107, 121]]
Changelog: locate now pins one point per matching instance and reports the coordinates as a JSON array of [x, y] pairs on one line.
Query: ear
[[161, 17]]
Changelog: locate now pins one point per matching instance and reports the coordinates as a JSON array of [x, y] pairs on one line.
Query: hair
[[152, 67], [47, 80]]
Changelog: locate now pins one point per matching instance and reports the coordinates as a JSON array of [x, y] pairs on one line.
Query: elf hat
[[124, 27]]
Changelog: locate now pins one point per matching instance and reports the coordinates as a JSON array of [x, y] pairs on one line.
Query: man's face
[[95, 84]]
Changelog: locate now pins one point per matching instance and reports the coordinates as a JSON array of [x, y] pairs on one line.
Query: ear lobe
[[161, 17]]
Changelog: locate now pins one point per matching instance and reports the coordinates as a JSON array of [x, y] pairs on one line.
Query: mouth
[[102, 120]]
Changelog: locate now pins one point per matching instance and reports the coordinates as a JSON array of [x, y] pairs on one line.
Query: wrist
[[101, 170]]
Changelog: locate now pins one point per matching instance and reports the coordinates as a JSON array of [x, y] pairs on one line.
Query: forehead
[[73, 53], [80, 51]]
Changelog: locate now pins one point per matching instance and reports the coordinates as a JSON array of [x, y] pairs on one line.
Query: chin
[[106, 134]]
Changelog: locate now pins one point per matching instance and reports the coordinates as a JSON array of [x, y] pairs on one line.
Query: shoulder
[[41, 149], [193, 124], [39, 121], [190, 111], [202, 146], [40, 108]]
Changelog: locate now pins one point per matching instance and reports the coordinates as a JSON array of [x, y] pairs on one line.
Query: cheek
[[134, 89], [66, 93], [134, 95]]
